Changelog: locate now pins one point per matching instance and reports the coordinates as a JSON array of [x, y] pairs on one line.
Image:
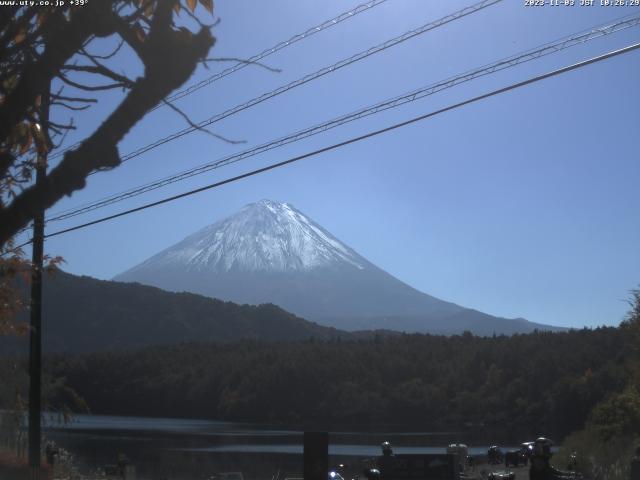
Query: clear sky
[[522, 205]]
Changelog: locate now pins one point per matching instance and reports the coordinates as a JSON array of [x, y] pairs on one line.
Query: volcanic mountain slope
[[269, 252]]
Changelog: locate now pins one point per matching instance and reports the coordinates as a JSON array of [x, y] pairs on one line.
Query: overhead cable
[[546, 49], [313, 76], [499, 91], [257, 57], [279, 46]]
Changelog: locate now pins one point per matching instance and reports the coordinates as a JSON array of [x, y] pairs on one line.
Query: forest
[[540, 382], [581, 387]]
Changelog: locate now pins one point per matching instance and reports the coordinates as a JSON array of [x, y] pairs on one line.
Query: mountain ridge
[[270, 252], [248, 241], [84, 314]]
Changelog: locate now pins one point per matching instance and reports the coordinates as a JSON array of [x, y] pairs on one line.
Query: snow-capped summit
[[263, 236], [269, 252]]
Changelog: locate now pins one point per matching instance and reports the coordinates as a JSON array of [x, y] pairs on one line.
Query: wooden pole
[[35, 336], [316, 455]]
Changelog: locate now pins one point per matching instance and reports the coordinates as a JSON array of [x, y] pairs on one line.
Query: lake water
[[164, 448]]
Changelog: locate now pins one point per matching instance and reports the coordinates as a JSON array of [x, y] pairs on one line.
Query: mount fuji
[[269, 252]]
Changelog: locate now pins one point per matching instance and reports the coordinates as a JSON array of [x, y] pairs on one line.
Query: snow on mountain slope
[[269, 252], [263, 236]]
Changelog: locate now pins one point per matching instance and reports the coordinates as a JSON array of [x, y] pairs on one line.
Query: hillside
[[82, 314]]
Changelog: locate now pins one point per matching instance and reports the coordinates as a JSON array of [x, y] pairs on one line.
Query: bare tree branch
[[198, 127], [34, 79], [91, 88], [100, 70], [57, 145], [69, 126], [169, 56], [74, 99], [84, 52], [70, 107]]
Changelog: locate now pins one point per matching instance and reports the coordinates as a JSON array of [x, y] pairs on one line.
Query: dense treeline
[[541, 381], [612, 429]]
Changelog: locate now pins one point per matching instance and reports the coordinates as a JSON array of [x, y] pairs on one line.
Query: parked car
[[495, 455], [520, 456]]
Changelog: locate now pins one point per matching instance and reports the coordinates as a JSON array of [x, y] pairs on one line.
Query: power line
[[307, 78], [514, 86], [313, 76], [546, 49], [258, 57], [279, 46], [15, 250]]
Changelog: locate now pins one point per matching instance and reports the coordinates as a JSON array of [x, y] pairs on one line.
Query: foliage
[[58, 398], [543, 383], [12, 389], [14, 275], [633, 315], [40, 45], [612, 432], [48, 67], [618, 416], [598, 459], [11, 298]]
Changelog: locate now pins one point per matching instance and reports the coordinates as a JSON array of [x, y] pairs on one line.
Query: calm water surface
[[166, 448]]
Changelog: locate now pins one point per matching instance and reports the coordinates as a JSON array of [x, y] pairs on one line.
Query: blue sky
[[523, 205]]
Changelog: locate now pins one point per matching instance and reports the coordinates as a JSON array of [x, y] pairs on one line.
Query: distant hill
[[270, 252], [82, 314], [467, 320]]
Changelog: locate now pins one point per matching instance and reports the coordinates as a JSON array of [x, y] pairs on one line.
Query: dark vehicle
[[520, 456], [494, 455], [411, 466], [515, 458]]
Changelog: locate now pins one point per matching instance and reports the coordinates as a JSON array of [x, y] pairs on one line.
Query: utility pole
[[35, 335], [315, 455]]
